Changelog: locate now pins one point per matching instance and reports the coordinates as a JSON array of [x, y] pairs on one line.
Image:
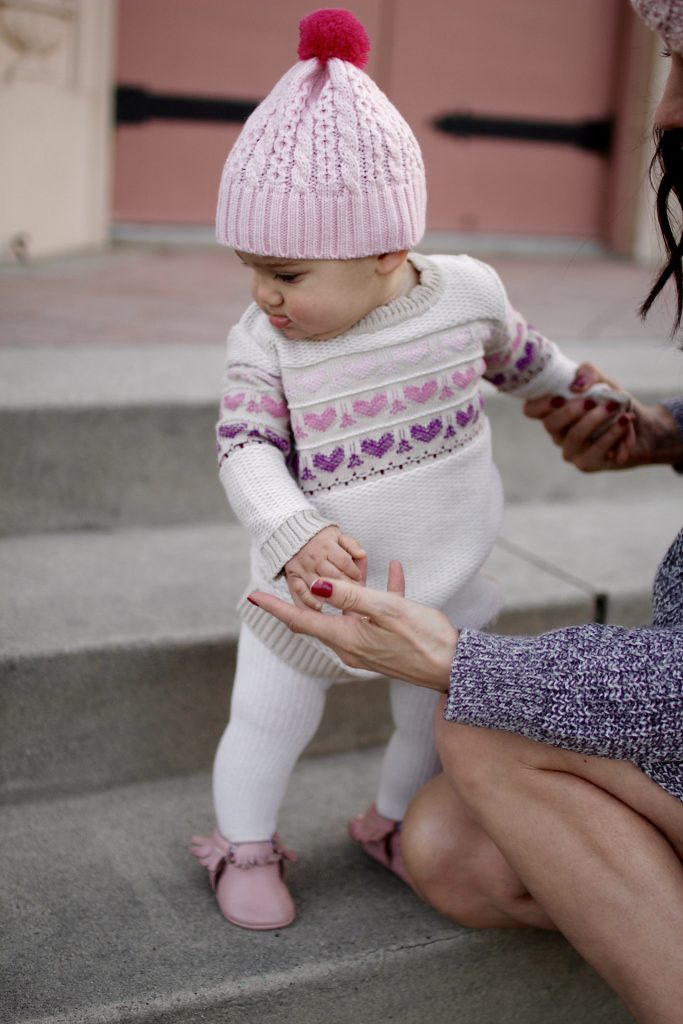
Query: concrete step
[[108, 437], [118, 648], [106, 919]]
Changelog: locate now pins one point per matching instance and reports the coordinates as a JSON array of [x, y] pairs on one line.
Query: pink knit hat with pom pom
[[325, 167]]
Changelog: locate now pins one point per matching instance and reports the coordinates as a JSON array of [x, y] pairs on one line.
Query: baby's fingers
[[343, 563], [301, 594], [351, 545]]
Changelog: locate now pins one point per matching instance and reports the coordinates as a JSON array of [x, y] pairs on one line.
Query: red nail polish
[[557, 402], [252, 601], [580, 382], [623, 420], [612, 406], [589, 404], [321, 588]]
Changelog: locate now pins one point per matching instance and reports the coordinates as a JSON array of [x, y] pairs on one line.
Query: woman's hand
[[577, 426], [379, 631], [646, 435]]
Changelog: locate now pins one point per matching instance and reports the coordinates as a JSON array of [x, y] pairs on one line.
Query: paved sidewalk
[[164, 294]]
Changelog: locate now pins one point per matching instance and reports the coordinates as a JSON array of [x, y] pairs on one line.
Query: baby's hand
[[330, 553]]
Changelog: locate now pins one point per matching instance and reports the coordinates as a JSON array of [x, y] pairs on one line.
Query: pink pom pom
[[333, 33]]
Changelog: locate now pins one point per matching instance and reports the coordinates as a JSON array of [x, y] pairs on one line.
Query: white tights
[[275, 712]]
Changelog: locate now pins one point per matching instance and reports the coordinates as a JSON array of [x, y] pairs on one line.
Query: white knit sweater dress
[[381, 431]]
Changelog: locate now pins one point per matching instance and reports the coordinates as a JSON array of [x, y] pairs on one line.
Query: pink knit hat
[[325, 167]]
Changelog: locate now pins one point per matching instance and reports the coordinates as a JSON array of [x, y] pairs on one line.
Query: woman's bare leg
[[590, 844]]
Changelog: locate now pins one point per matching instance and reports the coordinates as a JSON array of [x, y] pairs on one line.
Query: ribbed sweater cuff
[[289, 538]]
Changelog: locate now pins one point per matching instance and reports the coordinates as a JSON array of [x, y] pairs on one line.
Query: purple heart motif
[[463, 416], [377, 447], [329, 462], [354, 461], [231, 429], [404, 446], [450, 431], [527, 358], [278, 441], [426, 432], [307, 475]]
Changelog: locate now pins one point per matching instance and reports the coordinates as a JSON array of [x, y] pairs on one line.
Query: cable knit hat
[[325, 167]]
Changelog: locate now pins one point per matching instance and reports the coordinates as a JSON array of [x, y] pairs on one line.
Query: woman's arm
[[601, 690]]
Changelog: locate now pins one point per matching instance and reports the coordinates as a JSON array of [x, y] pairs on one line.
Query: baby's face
[[312, 300]]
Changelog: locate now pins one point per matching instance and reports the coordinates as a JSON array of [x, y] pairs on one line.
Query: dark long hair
[[668, 159]]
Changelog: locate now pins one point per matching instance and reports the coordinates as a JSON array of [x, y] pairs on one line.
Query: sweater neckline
[[425, 294]]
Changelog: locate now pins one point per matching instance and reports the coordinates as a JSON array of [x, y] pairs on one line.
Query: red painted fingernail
[[251, 600], [589, 404], [612, 406], [557, 402], [321, 588], [580, 382], [623, 420]]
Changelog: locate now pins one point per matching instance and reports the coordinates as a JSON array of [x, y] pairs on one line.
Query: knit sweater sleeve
[[664, 17], [254, 444], [519, 360], [600, 690]]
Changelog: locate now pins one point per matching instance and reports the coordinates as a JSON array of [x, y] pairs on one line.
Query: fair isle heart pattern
[[370, 408], [278, 410], [232, 401], [320, 421], [422, 393], [377, 447], [388, 452]]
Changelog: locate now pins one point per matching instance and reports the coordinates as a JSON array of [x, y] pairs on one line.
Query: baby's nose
[[267, 293]]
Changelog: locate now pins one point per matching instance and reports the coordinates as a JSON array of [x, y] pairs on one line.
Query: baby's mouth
[[280, 322]]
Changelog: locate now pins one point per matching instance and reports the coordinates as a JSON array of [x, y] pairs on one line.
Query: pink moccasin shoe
[[380, 837], [248, 880]]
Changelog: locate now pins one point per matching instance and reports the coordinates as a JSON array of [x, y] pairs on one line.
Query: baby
[[351, 422]]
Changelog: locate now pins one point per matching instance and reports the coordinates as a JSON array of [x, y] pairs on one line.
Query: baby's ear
[[388, 262]]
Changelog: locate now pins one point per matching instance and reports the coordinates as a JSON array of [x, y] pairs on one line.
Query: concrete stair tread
[[79, 590], [107, 918]]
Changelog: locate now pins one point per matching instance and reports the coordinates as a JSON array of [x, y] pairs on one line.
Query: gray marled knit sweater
[[601, 690]]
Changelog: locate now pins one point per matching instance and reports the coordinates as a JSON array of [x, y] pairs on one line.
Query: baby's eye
[[287, 278]]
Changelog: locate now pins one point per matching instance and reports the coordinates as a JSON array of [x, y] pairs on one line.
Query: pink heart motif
[[420, 394], [233, 401], [253, 406], [276, 409], [320, 421], [413, 353], [446, 392], [312, 381], [371, 408], [231, 429], [360, 367], [463, 417], [299, 433], [377, 447], [397, 406], [519, 334], [329, 462], [426, 432], [354, 461], [404, 446], [347, 421], [461, 378]]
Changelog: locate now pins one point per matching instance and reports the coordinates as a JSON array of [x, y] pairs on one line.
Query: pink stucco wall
[[535, 58]]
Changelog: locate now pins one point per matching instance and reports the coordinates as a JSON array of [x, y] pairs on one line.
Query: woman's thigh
[[477, 761]]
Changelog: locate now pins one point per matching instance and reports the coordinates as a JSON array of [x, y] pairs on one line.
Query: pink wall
[[534, 58]]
